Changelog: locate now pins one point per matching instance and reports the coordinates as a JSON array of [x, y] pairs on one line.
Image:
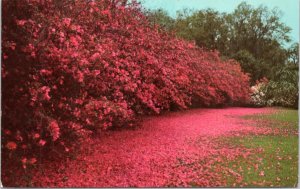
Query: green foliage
[[160, 17], [283, 91], [248, 62], [293, 53], [205, 27], [253, 36]]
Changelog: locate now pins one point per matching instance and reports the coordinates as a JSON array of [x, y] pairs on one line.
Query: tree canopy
[[256, 37]]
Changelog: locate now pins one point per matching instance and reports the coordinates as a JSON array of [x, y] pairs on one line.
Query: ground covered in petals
[[201, 147]]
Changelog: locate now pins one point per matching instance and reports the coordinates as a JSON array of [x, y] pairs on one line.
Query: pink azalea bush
[[71, 68]]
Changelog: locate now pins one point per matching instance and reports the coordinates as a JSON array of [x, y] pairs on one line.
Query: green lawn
[[275, 163], [281, 118]]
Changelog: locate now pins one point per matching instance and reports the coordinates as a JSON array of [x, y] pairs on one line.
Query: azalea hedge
[[72, 68]]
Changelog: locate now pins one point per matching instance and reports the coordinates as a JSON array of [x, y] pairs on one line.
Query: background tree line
[[255, 37]]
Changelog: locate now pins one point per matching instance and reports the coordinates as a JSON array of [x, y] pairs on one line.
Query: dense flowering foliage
[[258, 96], [284, 90], [275, 93], [71, 68], [282, 93]]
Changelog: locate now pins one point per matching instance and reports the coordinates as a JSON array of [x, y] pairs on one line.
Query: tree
[[261, 33], [256, 68], [293, 54], [253, 28], [205, 27], [252, 32], [160, 17]]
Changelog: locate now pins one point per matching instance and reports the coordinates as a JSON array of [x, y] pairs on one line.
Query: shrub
[[280, 92], [71, 68], [284, 90]]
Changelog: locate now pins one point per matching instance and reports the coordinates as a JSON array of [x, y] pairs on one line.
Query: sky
[[289, 8]]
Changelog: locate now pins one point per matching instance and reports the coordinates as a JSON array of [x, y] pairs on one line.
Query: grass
[[275, 161], [281, 118]]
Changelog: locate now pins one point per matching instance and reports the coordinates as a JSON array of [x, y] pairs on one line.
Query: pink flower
[[79, 101], [45, 92], [19, 137], [88, 121], [67, 21], [54, 130], [45, 72], [42, 142], [32, 161], [36, 136], [12, 46], [95, 56], [74, 41], [11, 145], [21, 22], [7, 132], [24, 160], [80, 77], [61, 34], [83, 62], [74, 54], [67, 149], [105, 12], [96, 72], [92, 3]]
